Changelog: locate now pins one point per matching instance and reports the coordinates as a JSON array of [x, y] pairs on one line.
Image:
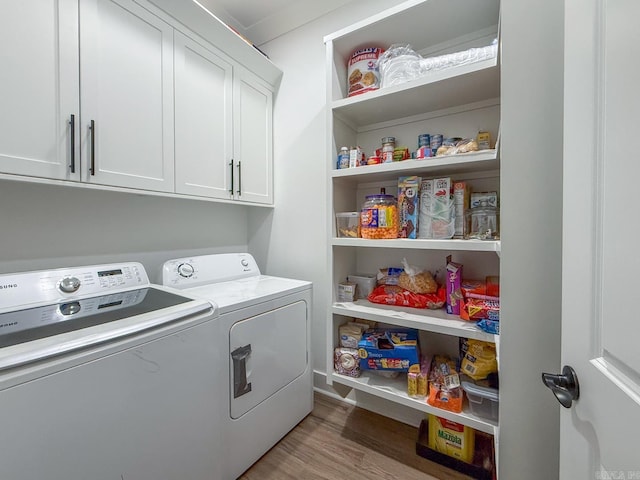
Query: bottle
[[343, 158]]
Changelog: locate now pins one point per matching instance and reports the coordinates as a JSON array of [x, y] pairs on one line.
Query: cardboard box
[[392, 350], [491, 199], [408, 206], [424, 218], [453, 284], [461, 193]]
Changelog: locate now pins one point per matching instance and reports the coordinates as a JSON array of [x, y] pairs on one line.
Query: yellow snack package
[[479, 359]]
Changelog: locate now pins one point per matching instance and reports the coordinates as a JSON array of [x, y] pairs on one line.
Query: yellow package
[[451, 438], [479, 359]]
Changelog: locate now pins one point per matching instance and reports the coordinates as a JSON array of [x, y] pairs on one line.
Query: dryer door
[[267, 352]]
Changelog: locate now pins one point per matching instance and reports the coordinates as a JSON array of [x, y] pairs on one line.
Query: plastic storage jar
[[379, 217]]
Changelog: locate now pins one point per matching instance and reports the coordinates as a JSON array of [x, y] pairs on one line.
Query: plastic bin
[[483, 401], [347, 224]]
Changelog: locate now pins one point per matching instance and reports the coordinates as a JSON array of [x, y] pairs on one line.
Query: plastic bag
[[416, 280], [395, 295], [399, 64], [444, 385], [479, 359], [388, 276]]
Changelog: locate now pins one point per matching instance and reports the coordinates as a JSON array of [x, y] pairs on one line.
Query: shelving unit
[[456, 102]]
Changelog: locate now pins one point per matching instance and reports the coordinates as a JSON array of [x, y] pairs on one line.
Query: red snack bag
[[394, 295]]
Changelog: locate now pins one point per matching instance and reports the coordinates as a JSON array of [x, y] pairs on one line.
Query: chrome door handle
[[231, 165], [564, 386]]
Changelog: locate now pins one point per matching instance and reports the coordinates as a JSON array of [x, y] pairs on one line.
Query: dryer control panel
[[194, 271]]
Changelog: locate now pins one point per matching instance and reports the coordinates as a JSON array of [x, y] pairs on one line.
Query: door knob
[[565, 387]]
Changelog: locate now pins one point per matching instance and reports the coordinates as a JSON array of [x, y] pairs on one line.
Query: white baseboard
[[369, 402]]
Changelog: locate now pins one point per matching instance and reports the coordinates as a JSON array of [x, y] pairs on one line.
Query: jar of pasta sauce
[[379, 217]]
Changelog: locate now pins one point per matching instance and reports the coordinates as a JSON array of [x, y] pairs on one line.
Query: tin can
[[388, 146], [424, 140], [436, 143]]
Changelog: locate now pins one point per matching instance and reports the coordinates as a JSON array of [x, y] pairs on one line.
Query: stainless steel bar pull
[[92, 167], [231, 165], [72, 131], [240, 385], [239, 178]]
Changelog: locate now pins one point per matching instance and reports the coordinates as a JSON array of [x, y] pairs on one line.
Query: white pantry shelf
[[395, 389], [421, 244], [422, 319]]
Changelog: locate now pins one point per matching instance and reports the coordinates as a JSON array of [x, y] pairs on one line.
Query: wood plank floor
[[340, 441]]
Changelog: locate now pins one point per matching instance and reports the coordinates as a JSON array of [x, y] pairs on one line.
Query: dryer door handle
[[240, 384]]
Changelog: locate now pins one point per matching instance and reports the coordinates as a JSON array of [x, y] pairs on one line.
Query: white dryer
[[265, 325]]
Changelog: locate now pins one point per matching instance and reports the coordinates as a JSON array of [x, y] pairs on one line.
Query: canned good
[[388, 146], [379, 217], [424, 140], [436, 143]]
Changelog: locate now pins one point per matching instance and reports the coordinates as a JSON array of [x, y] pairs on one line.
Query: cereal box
[[408, 206], [424, 219]]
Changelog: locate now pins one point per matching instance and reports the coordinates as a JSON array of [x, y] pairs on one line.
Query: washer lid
[[245, 292]]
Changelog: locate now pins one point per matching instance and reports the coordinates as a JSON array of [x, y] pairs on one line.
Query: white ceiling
[[263, 20]]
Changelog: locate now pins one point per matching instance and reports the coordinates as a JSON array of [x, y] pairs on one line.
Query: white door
[[126, 61], [600, 325], [204, 128], [39, 85], [253, 139]]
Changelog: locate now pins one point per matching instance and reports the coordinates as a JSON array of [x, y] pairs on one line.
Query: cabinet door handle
[[72, 131], [239, 178], [92, 167], [231, 165]]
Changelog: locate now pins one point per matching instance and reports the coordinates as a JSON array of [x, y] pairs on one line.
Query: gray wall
[[50, 226]]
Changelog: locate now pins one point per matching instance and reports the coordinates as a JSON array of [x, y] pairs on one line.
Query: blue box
[[391, 350]]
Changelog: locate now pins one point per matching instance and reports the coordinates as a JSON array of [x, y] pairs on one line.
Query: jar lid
[[389, 140], [380, 196]]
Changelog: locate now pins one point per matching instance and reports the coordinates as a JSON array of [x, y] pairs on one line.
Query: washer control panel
[[26, 288]]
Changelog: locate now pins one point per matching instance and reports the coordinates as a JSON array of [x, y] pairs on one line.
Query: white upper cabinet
[[112, 93], [253, 139], [126, 60], [203, 120], [39, 88]]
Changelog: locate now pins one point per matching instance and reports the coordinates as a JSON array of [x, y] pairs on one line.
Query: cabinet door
[[127, 94], [253, 139], [203, 102], [39, 88]]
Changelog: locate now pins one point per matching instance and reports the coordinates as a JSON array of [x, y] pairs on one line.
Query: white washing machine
[[265, 339]]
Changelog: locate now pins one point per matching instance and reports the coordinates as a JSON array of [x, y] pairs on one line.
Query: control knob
[[185, 270], [69, 284]]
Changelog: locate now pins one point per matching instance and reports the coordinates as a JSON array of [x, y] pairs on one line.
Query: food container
[[379, 217], [483, 401], [482, 223], [366, 282], [362, 71], [388, 147], [347, 224]]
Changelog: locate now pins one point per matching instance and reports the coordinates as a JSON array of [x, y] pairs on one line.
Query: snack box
[[408, 206], [454, 282], [389, 350]]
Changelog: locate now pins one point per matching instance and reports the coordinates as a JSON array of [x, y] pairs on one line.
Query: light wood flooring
[[339, 441]]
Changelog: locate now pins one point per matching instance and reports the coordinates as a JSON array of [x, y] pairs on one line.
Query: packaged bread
[[350, 334]]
